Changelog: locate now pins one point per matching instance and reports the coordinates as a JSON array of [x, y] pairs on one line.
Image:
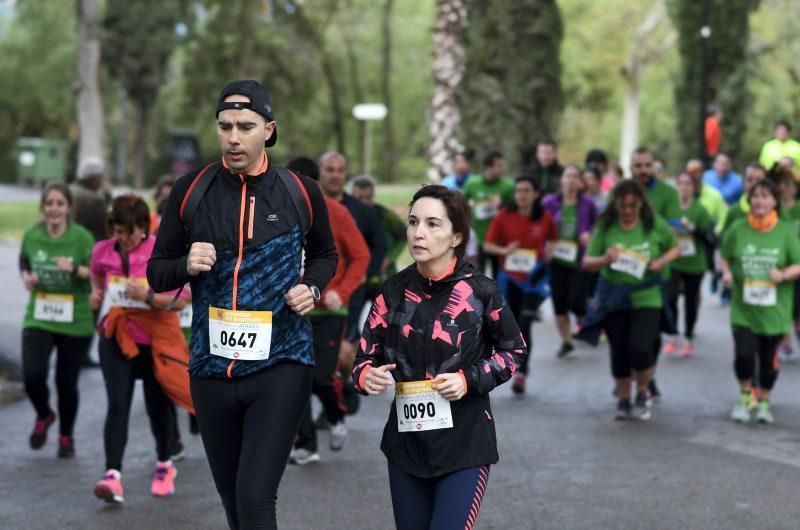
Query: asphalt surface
[[564, 464]]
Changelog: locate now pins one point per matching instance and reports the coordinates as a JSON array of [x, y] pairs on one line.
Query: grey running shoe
[[302, 456], [338, 436]]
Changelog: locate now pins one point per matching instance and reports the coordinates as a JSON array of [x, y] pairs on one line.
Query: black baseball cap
[[259, 102]]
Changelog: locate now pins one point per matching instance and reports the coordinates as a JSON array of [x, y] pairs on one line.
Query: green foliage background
[[37, 46]]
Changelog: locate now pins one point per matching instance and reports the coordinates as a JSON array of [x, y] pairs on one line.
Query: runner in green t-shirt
[[575, 215], [790, 211], [664, 201], [54, 264], [485, 193], [760, 256], [753, 173], [630, 246], [687, 271]]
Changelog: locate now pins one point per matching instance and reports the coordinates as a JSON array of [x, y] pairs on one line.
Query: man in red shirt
[[328, 319]]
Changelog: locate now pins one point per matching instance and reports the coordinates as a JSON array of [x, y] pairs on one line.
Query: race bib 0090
[[421, 408]]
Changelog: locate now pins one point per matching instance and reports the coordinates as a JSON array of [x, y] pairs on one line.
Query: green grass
[[15, 218]]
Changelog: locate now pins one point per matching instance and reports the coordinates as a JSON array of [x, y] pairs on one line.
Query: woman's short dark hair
[[771, 188], [60, 187], [129, 211], [594, 171], [624, 188], [456, 207], [537, 211]]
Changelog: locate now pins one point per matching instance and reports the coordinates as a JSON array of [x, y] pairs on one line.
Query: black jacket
[[255, 229], [461, 323], [548, 178]]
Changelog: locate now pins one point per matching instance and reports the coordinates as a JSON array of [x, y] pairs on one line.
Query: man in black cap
[[235, 231]]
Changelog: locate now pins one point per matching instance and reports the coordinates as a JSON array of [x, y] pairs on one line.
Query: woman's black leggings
[[749, 348], [522, 307], [449, 502], [632, 338], [120, 374], [691, 298], [248, 425], [37, 346]]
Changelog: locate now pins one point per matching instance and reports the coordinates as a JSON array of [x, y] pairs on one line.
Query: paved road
[[564, 463]]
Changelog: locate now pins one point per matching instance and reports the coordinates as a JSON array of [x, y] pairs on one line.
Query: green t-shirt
[[568, 231], [46, 310], [756, 302], [639, 249], [793, 215], [711, 199], [736, 212], [664, 199], [479, 193], [693, 248]]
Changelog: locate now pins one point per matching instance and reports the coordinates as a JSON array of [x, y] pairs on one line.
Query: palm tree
[[448, 69]]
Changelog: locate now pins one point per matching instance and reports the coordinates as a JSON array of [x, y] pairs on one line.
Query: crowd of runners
[[238, 294]]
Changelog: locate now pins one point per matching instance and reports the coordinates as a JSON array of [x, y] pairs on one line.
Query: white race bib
[[421, 408], [185, 316], [687, 247], [241, 335], [53, 307], [521, 260], [630, 262], [567, 251], [117, 293], [485, 210], [763, 293]]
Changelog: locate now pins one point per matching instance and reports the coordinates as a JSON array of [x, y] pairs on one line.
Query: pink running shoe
[[39, 435], [164, 480], [688, 349], [669, 348], [518, 383], [109, 488]]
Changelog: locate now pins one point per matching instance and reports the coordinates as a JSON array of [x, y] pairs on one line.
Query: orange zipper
[[241, 246], [250, 220]]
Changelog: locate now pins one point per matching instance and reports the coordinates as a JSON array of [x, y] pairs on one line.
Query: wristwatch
[[315, 294], [149, 298]]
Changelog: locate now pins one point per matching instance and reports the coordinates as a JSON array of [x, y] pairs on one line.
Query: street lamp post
[[369, 112]]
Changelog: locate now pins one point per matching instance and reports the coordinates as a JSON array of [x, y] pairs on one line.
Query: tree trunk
[[329, 72], [448, 69], [358, 92], [142, 121], [121, 170], [88, 103], [390, 150], [246, 41], [630, 118]]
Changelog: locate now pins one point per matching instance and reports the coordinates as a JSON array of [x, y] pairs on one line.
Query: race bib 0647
[[241, 335]]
